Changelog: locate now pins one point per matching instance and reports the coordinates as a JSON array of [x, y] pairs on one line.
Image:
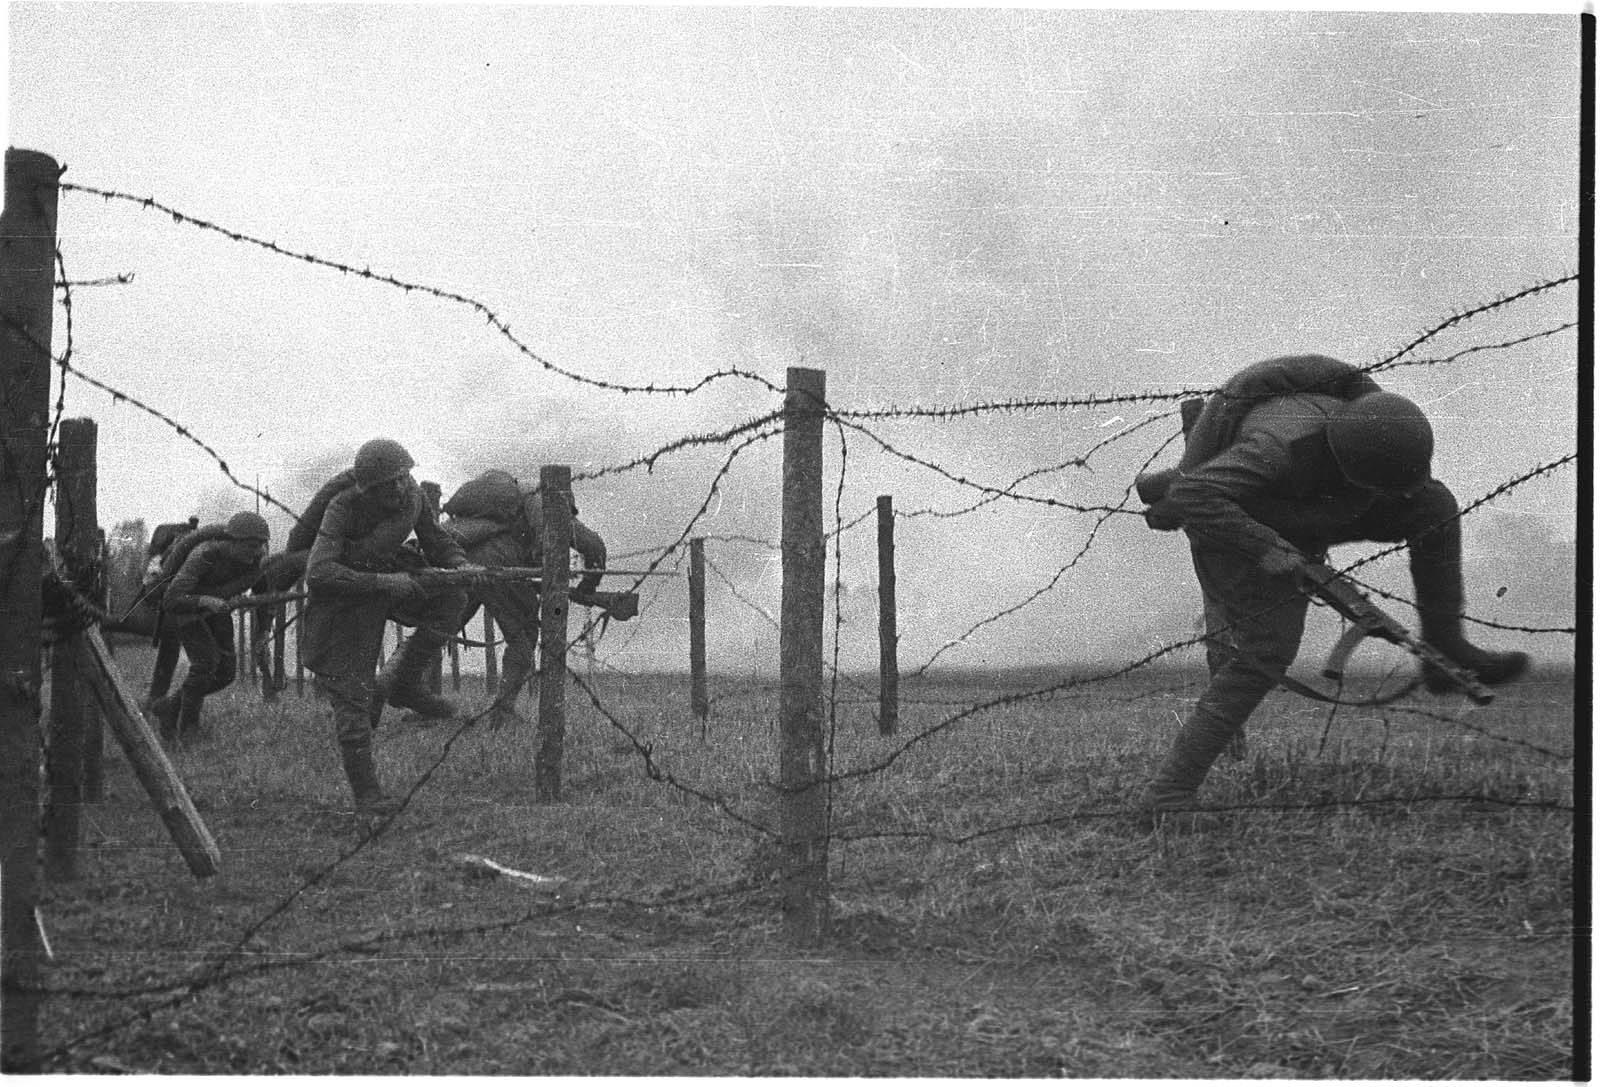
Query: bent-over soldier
[[1291, 456], [194, 612], [359, 574], [499, 524]]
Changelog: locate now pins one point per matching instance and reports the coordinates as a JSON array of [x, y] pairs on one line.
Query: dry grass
[[995, 915]]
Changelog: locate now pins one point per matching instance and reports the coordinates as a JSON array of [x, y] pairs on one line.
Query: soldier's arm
[[439, 546], [1208, 500], [325, 566], [593, 550], [188, 591]]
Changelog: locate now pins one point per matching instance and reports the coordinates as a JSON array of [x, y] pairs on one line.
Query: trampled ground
[[1395, 904]]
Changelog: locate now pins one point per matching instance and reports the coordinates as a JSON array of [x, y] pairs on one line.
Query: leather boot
[[357, 758], [402, 683], [189, 705], [1437, 569], [163, 712], [515, 668], [1170, 800]]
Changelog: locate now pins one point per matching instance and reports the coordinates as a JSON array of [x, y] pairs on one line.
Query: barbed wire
[[221, 967], [120, 280], [493, 319], [1468, 314]]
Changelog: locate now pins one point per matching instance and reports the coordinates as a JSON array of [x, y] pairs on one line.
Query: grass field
[[1391, 896]]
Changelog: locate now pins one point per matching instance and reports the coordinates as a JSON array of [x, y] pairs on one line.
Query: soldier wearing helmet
[[1291, 456], [219, 562], [359, 573], [499, 524]]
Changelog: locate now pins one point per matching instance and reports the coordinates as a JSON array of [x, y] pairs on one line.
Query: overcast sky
[[936, 207]]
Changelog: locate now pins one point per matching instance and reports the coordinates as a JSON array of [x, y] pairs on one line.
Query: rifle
[[1320, 582], [1329, 587], [617, 605]]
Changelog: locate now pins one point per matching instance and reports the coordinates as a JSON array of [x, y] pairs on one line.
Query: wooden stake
[[27, 297], [77, 547], [698, 628], [492, 679], [802, 805], [556, 515], [154, 770], [888, 676]]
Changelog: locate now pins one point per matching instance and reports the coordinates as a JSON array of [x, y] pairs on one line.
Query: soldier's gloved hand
[[211, 605], [395, 586], [1161, 516], [1278, 562]]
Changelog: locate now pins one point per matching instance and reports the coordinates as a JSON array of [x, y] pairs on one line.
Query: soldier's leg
[[348, 697], [516, 611], [209, 645], [1262, 625], [403, 681], [1217, 644], [1429, 522], [161, 677]]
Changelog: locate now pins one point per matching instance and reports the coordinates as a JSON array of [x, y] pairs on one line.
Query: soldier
[[162, 541], [500, 525], [1293, 455], [218, 564], [359, 574]]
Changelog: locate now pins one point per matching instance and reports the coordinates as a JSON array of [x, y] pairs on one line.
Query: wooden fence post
[[698, 627], [300, 658], [27, 296], [888, 677], [556, 515], [802, 805], [431, 500], [77, 545], [492, 679], [280, 624]]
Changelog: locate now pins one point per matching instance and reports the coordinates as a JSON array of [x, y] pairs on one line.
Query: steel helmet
[[381, 459], [1382, 441], [248, 526]]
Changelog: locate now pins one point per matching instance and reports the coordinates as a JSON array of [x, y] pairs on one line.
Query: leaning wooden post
[[492, 679], [27, 294], [888, 677], [698, 627], [94, 740], [556, 515], [77, 543], [150, 762], [802, 805]]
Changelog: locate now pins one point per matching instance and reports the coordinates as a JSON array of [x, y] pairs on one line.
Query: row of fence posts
[[73, 770]]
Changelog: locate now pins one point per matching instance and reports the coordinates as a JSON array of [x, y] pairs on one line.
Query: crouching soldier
[[1293, 455], [217, 563], [498, 524], [359, 574]]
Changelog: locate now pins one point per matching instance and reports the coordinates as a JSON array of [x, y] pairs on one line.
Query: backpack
[[492, 495], [172, 560]]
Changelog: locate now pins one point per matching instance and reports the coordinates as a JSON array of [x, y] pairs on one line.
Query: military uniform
[[1263, 484], [506, 530], [165, 639], [355, 577], [193, 614]]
